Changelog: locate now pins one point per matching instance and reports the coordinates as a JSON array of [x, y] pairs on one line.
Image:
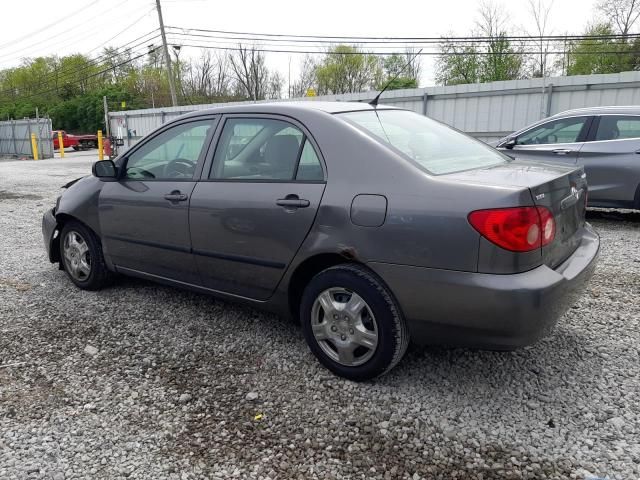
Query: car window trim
[[299, 156], [201, 157], [582, 135], [524, 130], [596, 124], [215, 142]]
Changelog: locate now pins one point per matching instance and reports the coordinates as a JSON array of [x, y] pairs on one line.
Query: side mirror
[[105, 169], [510, 143]]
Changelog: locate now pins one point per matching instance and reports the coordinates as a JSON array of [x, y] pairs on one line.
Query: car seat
[[281, 153]]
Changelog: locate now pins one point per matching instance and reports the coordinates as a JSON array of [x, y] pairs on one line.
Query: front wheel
[[82, 258], [352, 324]]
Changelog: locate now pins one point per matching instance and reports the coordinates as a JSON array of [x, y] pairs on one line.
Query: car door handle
[[176, 196], [293, 201], [562, 151]]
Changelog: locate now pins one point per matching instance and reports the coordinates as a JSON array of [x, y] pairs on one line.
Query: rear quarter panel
[[426, 222]]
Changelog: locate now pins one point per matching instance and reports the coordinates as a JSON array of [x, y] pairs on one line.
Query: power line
[[15, 54], [134, 23], [223, 42], [365, 39], [486, 53], [48, 26]]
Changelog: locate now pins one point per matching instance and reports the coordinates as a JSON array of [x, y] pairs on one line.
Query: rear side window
[[436, 148], [565, 130], [264, 149], [618, 127], [309, 167]]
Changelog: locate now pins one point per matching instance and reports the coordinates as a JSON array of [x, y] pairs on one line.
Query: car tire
[[636, 200], [352, 323], [81, 257]]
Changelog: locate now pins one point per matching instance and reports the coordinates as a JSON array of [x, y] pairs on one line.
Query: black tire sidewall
[[384, 312]]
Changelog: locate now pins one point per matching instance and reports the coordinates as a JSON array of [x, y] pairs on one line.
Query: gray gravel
[[143, 381]]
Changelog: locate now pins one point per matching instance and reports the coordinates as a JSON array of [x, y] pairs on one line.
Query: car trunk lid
[[560, 188], [565, 197]]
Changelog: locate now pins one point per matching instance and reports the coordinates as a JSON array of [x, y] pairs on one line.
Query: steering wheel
[[179, 168]]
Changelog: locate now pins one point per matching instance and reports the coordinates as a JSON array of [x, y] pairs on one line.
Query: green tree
[[501, 61], [457, 64], [605, 55], [493, 59], [346, 69], [405, 67]]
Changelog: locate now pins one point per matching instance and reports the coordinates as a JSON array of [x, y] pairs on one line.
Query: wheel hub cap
[[344, 326], [77, 258]]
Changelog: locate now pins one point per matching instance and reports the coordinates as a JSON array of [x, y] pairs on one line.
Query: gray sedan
[[604, 140], [371, 226]]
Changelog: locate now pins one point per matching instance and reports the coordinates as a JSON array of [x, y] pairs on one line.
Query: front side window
[[264, 149], [171, 155], [566, 130], [436, 148], [618, 127]]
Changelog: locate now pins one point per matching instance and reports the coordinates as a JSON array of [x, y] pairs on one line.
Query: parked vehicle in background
[[604, 140], [77, 142], [369, 225]]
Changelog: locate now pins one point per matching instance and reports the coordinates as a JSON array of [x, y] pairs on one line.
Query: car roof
[[287, 107], [612, 110]]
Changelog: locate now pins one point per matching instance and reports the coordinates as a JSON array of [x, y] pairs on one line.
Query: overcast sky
[[38, 27]]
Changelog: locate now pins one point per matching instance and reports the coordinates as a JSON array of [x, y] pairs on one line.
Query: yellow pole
[[60, 144], [100, 149], [34, 146]]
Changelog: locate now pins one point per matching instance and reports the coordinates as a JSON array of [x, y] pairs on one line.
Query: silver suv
[[605, 140]]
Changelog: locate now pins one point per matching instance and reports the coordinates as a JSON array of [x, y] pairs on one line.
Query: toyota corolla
[[372, 226]]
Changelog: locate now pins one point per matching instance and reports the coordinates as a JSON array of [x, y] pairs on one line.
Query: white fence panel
[[487, 111], [15, 137]]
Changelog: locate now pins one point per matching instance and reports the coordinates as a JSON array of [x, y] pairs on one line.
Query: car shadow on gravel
[[632, 216]]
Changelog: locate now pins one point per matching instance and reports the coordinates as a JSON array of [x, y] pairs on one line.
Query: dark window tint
[[614, 127], [171, 155], [263, 149], [566, 130]]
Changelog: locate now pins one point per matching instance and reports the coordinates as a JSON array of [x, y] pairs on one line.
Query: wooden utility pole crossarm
[[172, 86]]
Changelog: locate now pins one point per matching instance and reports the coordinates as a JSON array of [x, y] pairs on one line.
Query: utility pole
[[106, 116], [172, 86]]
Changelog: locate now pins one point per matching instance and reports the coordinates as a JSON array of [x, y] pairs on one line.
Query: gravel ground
[[143, 381]]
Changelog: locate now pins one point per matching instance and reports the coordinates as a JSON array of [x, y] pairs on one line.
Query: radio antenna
[[374, 102]]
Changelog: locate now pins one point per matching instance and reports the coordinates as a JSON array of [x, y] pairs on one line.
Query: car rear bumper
[[487, 310], [49, 225]]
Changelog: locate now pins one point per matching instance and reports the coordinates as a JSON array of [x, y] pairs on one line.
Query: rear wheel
[[82, 258], [352, 324]]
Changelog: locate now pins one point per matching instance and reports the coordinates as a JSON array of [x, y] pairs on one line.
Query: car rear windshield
[[436, 148]]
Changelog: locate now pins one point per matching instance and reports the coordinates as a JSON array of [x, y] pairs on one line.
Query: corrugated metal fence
[[15, 137], [487, 111]]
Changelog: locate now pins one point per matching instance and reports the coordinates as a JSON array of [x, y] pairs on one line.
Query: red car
[[77, 142]]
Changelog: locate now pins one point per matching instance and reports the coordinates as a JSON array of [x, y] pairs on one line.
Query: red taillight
[[547, 225], [519, 229]]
